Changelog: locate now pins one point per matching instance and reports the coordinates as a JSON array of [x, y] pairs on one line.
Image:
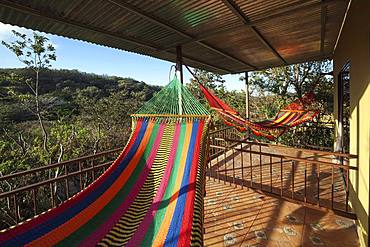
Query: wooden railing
[[217, 138], [310, 177], [27, 193], [302, 175]]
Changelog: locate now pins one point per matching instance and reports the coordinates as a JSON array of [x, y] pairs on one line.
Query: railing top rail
[[67, 162], [283, 156], [49, 181], [219, 130], [346, 167], [345, 155]]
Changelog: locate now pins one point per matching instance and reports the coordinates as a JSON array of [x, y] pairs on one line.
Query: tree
[[208, 79], [215, 82], [272, 89], [293, 79], [290, 82], [36, 53]]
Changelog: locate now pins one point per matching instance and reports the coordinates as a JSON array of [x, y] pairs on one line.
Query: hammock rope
[[169, 100]]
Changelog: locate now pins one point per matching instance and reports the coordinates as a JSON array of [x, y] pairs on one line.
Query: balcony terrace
[[272, 195], [257, 194]]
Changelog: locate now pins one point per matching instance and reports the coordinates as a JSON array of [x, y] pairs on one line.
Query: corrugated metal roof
[[223, 36]]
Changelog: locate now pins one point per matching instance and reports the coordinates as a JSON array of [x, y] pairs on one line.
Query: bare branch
[[18, 142], [30, 86]]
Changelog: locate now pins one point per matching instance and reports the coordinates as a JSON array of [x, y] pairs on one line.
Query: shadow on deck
[[236, 216], [276, 202]]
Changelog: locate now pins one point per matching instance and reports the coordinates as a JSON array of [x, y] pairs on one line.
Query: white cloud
[[6, 31], [7, 35]]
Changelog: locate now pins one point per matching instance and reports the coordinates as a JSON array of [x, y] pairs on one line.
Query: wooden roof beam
[[294, 8], [59, 19], [315, 58], [157, 21], [244, 18]]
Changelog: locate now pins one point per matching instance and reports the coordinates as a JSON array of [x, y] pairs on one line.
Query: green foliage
[[288, 83], [35, 52], [215, 82], [84, 113], [274, 88], [292, 80], [310, 135]]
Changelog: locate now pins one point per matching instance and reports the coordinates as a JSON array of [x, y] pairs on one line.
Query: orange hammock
[[295, 113]]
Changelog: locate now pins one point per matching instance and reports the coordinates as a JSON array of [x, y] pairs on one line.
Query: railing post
[[242, 163], [305, 182], [93, 170], [347, 188], [217, 168], [332, 187], [233, 154], [34, 202], [260, 151], [250, 164], [270, 173], [293, 171], [281, 177], [52, 195], [80, 173], [225, 161], [66, 181], [15, 208], [318, 184]]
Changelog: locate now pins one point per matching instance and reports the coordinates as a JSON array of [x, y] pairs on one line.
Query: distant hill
[[59, 89]]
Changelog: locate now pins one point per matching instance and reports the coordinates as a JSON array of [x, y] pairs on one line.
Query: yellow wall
[[353, 46]]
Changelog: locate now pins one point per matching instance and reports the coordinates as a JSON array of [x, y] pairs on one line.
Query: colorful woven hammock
[[152, 195], [292, 115]]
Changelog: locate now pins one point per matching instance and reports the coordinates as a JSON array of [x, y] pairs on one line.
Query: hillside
[[61, 91], [82, 114]]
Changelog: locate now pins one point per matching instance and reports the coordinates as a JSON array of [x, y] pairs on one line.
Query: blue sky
[[86, 57]]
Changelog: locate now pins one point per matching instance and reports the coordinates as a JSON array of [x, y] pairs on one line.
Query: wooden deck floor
[[236, 216], [241, 216]]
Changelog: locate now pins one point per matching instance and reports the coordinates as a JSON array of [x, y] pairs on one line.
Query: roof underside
[[223, 36]]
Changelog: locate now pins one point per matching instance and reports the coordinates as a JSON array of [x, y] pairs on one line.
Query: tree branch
[[18, 143], [30, 86]]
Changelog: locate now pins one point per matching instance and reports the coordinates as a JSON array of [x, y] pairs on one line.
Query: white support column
[[179, 74], [247, 115], [246, 96]]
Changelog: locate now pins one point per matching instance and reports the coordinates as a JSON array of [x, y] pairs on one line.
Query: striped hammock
[[292, 115], [152, 195]]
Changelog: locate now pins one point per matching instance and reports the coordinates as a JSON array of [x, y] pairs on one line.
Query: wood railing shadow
[[314, 180]]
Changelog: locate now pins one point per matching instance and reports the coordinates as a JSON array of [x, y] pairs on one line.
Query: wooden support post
[[246, 78], [179, 63], [179, 74], [246, 95]]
